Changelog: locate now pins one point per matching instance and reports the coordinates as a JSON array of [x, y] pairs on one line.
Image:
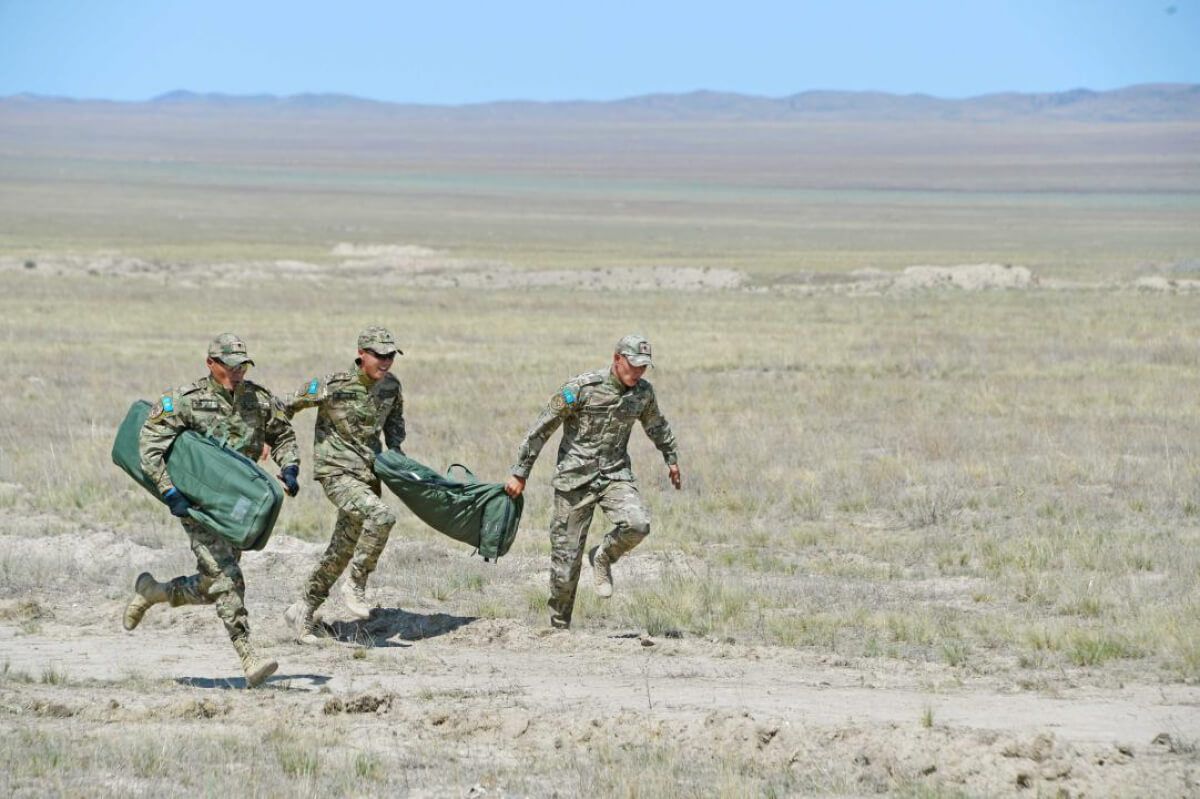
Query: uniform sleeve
[[281, 436], [394, 431], [561, 405], [309, 395], [656, 427], [166, 421]]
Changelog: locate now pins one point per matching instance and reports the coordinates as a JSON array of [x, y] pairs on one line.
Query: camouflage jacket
[[597, 413], [351, 413], [245, 419]]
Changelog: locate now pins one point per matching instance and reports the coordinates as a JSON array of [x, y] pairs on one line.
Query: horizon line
[[192, 93]]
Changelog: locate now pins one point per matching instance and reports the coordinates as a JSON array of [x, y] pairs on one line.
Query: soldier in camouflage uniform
[[597, 411], [353, 408], [225, 406]]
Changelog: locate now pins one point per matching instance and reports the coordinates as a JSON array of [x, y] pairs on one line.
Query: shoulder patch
[[314, 386], [569, 396], [164, 406]]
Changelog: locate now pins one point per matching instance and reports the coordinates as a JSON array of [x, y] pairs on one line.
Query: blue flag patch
[[168, 404], [569, 396], [312, 387]]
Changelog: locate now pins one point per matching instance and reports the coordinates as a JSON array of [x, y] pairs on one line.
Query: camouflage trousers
[[359, 535], [573, 511], [218, 582]]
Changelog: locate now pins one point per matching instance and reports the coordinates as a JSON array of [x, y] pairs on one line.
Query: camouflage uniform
[[352, 412], [597, 413], [246, 419]]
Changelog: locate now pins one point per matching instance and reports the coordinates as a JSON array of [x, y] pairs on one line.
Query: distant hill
[[1143, 103]]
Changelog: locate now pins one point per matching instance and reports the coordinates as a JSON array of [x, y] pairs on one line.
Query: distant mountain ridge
[[1141, 103]]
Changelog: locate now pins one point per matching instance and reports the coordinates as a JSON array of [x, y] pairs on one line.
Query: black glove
[[290, 484], [177, 502]]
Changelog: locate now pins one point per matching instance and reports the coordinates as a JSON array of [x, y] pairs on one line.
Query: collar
[[219, 389], [361, 375], [614, 382]]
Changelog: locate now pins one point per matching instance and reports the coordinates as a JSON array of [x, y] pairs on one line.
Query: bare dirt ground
[[419, 678], [425, 268]]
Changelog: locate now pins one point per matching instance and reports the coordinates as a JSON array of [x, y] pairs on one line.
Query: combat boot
[[601, 572], [355, 597], [255, 668], [147, 593], [299, 618]]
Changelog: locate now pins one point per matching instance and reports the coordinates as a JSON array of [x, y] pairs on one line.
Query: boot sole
[[256, 678], [130, 626]]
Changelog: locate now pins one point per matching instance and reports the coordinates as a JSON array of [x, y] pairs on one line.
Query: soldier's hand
[[177, 502], [289, 477], [673, 473], [514, 486]]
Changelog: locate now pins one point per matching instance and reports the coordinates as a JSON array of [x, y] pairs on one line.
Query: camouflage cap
[[635, 348], [378, 339], [229, 350]]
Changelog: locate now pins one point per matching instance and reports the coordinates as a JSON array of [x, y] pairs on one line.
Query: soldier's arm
[[394, 431], [564, 403], [280, 435], [656, 427], [309, 395], [166, 421]]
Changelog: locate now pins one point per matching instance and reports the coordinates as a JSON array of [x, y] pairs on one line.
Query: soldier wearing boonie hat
[[597, 411], [354, 408], [227, 406]]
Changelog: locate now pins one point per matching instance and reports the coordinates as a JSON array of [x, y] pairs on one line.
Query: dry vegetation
[[940, 495]]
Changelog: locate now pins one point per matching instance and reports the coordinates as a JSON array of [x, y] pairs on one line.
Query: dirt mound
[[1166, 285], [968, 277], [387, 264], [871, 281]]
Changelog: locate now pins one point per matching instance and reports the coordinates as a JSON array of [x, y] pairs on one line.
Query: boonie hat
[[378, 339], [635, 348], [229, 350]]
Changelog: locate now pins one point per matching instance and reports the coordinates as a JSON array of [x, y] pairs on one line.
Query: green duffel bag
[[479, 514], [230, 494]]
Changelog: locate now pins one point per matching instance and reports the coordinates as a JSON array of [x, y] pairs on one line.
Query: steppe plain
[[940, 527]]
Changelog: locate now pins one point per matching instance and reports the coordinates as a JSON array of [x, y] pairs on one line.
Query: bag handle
[[470, 473]]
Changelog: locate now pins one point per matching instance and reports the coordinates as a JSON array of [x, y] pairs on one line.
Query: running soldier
[[226, 406], [353, 409], [597, 411]]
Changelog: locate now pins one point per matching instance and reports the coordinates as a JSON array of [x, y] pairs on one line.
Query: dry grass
[[1003, 484], [934, 476]]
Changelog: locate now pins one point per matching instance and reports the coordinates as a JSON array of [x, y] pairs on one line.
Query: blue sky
[[461, 52]]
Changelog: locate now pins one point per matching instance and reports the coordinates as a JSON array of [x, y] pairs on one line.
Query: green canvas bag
[[476, 513], [230, 494]]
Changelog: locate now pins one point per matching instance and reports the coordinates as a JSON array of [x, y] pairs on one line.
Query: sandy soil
[[529, 692]]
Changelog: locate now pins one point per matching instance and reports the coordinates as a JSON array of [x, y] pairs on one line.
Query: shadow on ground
[[279, 682], [389, 626]]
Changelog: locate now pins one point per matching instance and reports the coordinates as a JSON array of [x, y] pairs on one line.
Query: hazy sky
[[459, 52]]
